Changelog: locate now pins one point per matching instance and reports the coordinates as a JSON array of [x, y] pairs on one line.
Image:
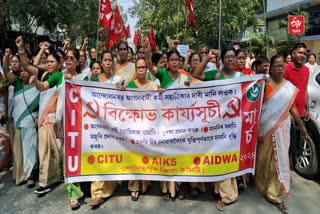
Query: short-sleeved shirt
[[299, 78], [210, 75]]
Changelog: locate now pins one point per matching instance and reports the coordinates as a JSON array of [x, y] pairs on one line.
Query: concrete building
[[276, 16]]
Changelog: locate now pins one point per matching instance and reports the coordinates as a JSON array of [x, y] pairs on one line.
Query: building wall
[[276, 4]]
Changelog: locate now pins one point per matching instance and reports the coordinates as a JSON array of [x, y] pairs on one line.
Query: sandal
[[134, 195], [96, 202], [74, 204], [282, 207], [166, 196], [220, 205], [30, 183], [180, 195]]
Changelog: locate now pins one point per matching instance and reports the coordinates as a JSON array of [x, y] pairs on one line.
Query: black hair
[[240, 51], [173, 52], [312, 54], [193, 54], [60, 51], [85, 55], [123, 42], [259, 60], [105, 52], [56, 55], [95, 62], [156, 58], [299, 45], [274, 59], [225, 50], [15, 55], [76, 54], [131, 50], [138, 48]]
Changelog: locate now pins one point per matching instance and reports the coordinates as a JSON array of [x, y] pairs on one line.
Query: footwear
[[42, 190], [220, 205], [74, 204], [134, 195], [282, 207], [166, 196], [30, 183], [180, 195], [96, 202]]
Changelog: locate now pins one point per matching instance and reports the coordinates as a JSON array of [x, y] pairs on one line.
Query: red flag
[[105, 13], [128, 31], [189, 5], [152, 40], [117, 29], [137, 38]]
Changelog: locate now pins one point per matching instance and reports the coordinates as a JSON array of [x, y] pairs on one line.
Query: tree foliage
[[170, 18]]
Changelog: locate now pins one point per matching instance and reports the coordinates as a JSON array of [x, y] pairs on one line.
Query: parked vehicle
[[307, 156]]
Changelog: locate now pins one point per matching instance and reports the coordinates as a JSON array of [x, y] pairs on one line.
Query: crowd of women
[[33, 108]]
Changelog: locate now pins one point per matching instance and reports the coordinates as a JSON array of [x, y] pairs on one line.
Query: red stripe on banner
[[73, 130], [251, 104]]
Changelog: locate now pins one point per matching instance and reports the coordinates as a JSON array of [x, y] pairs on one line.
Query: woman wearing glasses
[[25, 103], [138, 186], [272, 162], [226, 189], [56, 80], [168, 78], [49, 149]]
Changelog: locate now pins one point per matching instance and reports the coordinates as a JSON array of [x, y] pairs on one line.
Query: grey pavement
[[305, 199]]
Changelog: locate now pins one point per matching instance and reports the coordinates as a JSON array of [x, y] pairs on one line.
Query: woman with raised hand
[[25, 115], [57, 80], [226, 189], [50, 170], [272, 175], [168, 78]]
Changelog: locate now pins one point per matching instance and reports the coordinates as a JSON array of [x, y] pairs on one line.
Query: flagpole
[[178, 19], [97, 41], [219, 42]]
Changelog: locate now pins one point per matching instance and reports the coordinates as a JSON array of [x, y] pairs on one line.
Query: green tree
[[170, 18]]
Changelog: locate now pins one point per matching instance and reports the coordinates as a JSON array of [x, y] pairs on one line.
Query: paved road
[[305, 199]]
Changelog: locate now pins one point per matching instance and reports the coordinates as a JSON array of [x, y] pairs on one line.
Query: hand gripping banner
[[203, 132]]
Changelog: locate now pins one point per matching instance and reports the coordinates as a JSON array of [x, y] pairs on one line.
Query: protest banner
[[203, 132]]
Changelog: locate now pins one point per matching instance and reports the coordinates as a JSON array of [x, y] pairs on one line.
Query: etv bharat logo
[[253, 92]]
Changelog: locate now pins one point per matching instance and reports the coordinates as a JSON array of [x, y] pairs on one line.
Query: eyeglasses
[[278, 67], [204, 52], [82, 56], [230, 57], [71, 58], [195, 60], [141, 67]]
